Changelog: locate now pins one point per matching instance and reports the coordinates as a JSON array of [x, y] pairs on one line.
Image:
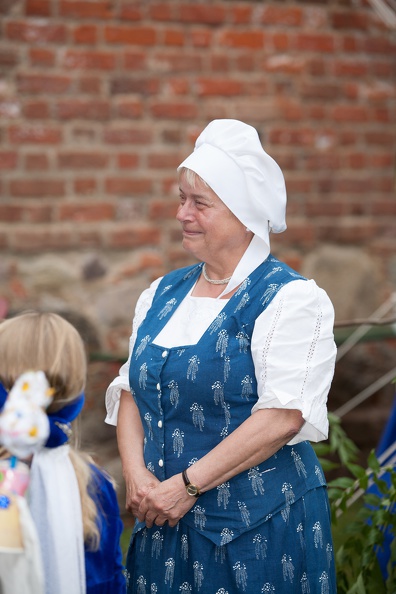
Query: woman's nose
[[184, 211]]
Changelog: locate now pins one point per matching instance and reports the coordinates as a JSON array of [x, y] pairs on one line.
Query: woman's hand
[[166, 502], [138, 485]]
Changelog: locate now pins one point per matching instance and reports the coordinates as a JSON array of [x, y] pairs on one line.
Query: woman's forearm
[[129, 433], [256, 440]]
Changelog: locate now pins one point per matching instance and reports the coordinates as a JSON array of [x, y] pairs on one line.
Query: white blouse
[[292, 347]]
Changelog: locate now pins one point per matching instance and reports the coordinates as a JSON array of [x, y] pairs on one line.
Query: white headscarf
[[229, 157]]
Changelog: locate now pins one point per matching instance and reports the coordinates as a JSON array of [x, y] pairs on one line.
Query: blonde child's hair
[[34, 341]]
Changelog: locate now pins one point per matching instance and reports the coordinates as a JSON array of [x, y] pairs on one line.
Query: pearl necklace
[[212, 281]]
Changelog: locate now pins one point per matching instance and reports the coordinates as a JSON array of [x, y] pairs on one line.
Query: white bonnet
[[228, 155]]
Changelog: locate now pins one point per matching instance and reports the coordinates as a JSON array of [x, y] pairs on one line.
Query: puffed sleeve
[[294, 354], [121, 382]]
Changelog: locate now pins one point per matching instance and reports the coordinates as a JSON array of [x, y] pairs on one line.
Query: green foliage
[[359, 519]]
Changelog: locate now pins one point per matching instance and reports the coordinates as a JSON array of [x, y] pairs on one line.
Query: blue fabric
[[3, 395], [103, 568], [60, 422], [191, 397]]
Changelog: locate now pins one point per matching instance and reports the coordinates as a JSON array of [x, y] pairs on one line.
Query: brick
[[161, 11], [129, 109], [315, 42], [37, 188], [350, 43], [43, 84], [164, 160], [245, 62], [82, 160], [240, 39], [135, 60], [89, 85], [127, 186], [216, 86], [8, 57], [378, 45], [383, 207], [160, 210], [36, 239], [89, 213], [36, 162], [323, 92], [87, 109], [279, 41], [219, 63], [35, 32], [174, 110], [89, 60], [174, 37], [8, 160], [379, 138], [347, 232], [88, 238], [38, 8], [34, 135], [9, 109], [130, 12], [121, 85], [291, 137], [10, 213], [300, 233], [178, 86], [127, 136], [356, 20], [285, 63], [174, 61], [208, 15], [285, 16], [80, 9], [346, 113], [146, 36], [324, 208], [201, 37], [37, 109], [131, 236], [127, 160], [39, 56], [241, 15], [85, 34], [350, 68], [85, 186]]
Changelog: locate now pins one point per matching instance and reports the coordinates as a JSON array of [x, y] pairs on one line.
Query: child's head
[[34, 341]]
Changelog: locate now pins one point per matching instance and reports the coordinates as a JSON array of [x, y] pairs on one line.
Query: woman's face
[[211, 232]]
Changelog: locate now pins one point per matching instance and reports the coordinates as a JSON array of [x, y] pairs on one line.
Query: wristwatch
[[191, 489]]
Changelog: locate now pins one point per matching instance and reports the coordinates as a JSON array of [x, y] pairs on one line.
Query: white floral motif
[[260, 546], [243, 340], [217, 323], [299, 464], [223, 494], [184, 547], [142, 345], [224, 432], [269, 293], [329, 553], [165, 289], [199, 517], [143, 376], [148, 419], [220, 551], [324, 581], [150, 467], [227, 368], [318, 536], [141, 585], [222, 591], [143, 541], [156, 545], [300, 531], [174, 393], [319, 474], [153, 589], [288, 568], [245, 514], [222, 342], [193, 365], [218, 393], [167, 308], [185, 587], [244, 300], [305, 589], [243, 286], [198, 574], [178, 442], [273, 271], [247, 389], [240, 575], [256, 480], [198, 417], [287, 490], [268, 588], [227, 414], [169, 571]]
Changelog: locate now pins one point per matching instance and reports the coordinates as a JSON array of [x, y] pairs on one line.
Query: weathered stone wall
[[101, 100]]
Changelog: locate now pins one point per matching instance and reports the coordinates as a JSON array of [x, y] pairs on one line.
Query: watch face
[[192, 490]]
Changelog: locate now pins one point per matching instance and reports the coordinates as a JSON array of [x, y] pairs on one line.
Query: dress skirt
[[290, 552]]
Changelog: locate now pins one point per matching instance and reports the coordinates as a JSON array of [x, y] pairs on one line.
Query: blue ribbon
[[3, 395]]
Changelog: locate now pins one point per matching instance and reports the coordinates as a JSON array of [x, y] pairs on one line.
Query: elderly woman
[[230, 364]]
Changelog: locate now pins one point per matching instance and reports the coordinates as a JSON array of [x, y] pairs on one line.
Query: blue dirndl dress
[[268, 528]]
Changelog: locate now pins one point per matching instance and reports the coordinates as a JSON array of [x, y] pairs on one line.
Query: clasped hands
[[156, 502]]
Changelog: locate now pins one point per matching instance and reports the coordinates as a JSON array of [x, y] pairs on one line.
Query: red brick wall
[[101, 100]]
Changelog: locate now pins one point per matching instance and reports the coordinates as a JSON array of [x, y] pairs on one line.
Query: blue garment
[[190, 398], [103, 568]]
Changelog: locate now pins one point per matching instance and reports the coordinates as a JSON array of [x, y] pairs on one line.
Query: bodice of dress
[[191, 397]]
